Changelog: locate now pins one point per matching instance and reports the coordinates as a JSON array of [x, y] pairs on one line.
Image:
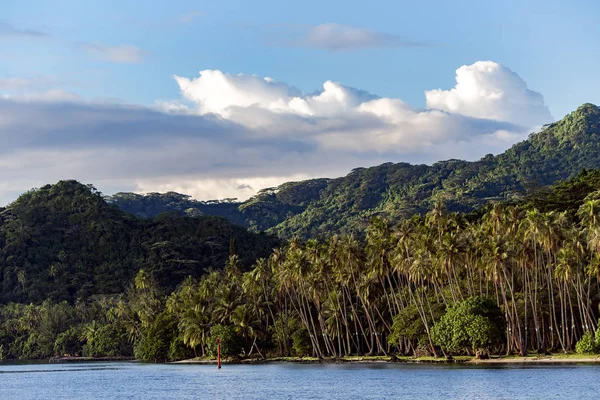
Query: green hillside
[[64, 242], [322, 207]]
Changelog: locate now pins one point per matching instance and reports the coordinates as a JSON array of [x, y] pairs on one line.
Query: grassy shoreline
[[556, 358], [465, 360]]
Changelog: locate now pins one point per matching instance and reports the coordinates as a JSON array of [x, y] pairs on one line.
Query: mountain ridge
[[320, 207]]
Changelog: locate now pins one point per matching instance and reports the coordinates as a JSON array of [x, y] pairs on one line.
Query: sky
[[222, 99]]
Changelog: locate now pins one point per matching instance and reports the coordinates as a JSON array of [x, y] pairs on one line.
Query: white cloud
[[215, 92], [213, 189], [122, 54], [339, 37], [492, 97], [231, 135], [490, 90]]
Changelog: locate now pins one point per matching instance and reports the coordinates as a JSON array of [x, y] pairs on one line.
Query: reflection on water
[[296, 381]]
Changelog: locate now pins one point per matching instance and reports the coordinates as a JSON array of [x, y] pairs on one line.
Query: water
[[295, 381]]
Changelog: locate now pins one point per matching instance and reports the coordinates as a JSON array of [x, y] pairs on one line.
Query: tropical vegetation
[[512, 278]]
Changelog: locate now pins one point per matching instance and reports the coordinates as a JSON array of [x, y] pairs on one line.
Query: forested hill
[[321, 207], [64, 242]]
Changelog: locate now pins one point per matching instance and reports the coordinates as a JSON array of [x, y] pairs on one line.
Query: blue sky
[[122, 52], [551, 44]]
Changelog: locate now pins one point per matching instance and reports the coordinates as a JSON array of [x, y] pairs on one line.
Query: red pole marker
[[219, 353]]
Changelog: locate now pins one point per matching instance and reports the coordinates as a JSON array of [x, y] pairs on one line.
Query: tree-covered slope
[[65, 242], [152, 204], [324, 206]]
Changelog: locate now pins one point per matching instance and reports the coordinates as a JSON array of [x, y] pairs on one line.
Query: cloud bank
[[232, 135]]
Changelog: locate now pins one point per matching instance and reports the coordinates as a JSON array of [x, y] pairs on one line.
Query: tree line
[[511, 279]]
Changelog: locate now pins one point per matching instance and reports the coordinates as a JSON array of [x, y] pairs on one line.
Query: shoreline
[[555, 359], [575, 359], [461, 360]]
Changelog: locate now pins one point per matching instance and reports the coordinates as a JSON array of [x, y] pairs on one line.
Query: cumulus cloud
[[215, 91], [338, 37], [121, 54], [9, 31], [231, 135], [490, 90], [341, 117]]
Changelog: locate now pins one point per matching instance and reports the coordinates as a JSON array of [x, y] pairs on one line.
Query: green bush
[[230, 343], [587, 344], [179, 351], [281, 332], [155, 344], [474, 324], [107, 340], [406, 324], [69, 342], [301, 342]]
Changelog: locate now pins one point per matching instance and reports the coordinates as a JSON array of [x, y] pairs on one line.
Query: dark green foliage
[[408, 325], [565, 196], [281, 332], [50, 329], [69, 342], [476, 323], [230, 342], [63, 242], [154, 344], [109, 340], [179, 351], [322, 207], [301, 342]]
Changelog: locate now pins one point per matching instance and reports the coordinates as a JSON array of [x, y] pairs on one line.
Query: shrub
[[155, 344], [179, 351], [474, 324], [587, 344], [107, 341], [230, 342], [281, 332], [69, 342], [301, 342]]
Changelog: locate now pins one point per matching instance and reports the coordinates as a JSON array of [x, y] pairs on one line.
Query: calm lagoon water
[[295, 381]]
